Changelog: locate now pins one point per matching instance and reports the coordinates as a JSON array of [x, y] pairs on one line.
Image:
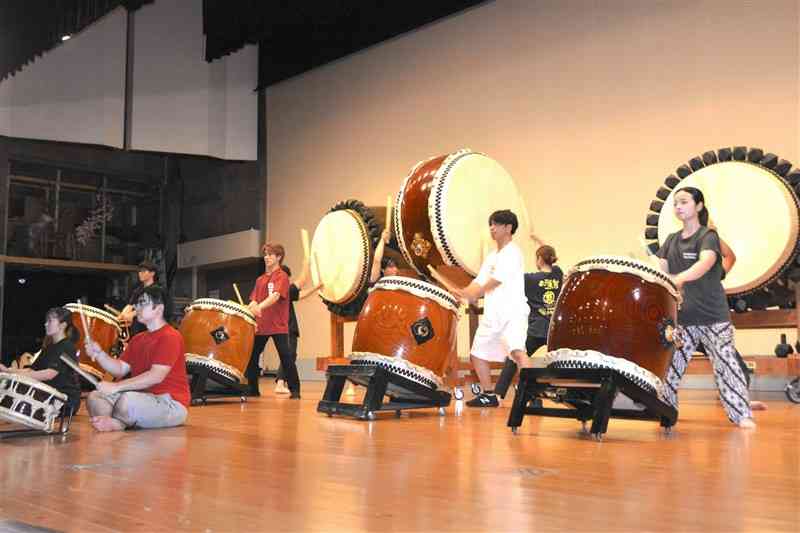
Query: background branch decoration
[[87, 229]]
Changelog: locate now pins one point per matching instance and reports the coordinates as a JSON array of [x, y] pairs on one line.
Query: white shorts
[[496, 344]]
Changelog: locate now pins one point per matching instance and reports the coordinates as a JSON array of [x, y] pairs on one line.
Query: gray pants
[[147, 411], [731, 382]]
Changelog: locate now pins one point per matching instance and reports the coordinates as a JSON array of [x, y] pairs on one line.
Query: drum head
[[342, 247], [468, 188], [755, 212]]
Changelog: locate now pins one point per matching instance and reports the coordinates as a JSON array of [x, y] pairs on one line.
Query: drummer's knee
[[98, 404]]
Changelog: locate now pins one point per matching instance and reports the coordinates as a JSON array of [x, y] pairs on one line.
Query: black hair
[[287, 270], [158, 295], [697, 196], [63, 315], [505, 217], [386, 262]]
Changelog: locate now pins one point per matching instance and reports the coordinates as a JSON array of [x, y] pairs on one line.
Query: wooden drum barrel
[[104, 329], [619, 307], [407, 326], [218, 335]]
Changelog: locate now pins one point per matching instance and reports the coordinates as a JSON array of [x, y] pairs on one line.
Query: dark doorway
[[30, 293]]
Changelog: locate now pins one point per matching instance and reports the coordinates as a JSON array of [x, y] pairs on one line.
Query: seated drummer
[[147, 278], [155, 393], [382, 266], [60, 338]]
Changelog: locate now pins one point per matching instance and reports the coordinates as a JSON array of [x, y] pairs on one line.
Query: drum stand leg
[[377, 381], [64, 423], [200, 378], [589, 395]]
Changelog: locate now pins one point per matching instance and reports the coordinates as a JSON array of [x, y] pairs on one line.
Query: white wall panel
[[183, 104], [74, 92]]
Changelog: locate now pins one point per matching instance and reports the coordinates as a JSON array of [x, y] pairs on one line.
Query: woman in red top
[[269, 301]]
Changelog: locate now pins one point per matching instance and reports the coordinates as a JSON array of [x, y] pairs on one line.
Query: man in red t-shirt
[[269, 301], [156, 392]]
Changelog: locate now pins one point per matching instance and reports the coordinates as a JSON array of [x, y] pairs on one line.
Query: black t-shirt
[[294, 295], [541, 289], [704, 300], [67, 380]]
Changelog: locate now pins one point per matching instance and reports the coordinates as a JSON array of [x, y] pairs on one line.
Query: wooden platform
[[275, 464]]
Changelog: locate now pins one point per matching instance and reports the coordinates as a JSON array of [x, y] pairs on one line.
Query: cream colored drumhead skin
[[341, 247], [468, 188], [755, 213]]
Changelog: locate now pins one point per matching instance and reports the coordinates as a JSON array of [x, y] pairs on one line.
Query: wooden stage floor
[[277, 465]]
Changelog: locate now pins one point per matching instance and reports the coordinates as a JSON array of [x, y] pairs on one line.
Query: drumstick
[[87, 335], [389, 212], [306, 247], [316, 269], [78, 370], [112, 309], [238, 295]]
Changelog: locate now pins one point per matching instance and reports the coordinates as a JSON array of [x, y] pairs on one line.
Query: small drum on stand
[[441, 216], [29, 402], [619, 307], [408, 327], [218, 337], [343, 246], [753, 201], [104, 329]]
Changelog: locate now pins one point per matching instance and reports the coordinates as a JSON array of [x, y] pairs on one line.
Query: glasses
[[141, 304]]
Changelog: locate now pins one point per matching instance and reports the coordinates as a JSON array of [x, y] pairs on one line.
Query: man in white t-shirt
[[504, 325]]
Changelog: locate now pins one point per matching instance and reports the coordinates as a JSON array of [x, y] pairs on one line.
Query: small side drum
[[619, 307], [441, 216], [218, 335], [104, 329], [407, 326], [29, 402]]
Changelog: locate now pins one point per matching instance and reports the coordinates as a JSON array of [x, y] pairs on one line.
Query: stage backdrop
[[588, 104]]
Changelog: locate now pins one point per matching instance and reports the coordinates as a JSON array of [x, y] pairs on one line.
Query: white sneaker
[[281, 388]]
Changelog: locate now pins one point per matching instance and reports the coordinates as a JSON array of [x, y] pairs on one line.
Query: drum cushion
[[398, 366]]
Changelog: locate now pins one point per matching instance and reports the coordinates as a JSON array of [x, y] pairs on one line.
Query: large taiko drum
[[342, 247], [441, 215], [29, 402], [104, 329], [407, 326], [218, 335], [619, 307], [754, 205]]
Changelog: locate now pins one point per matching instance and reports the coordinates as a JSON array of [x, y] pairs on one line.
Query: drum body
[[408, 319], [619, 307], [29, 402], [104, 329], [441, 215], [218, 335]]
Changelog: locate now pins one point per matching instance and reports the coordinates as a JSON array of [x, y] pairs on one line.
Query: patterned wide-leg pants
[[731, 381]]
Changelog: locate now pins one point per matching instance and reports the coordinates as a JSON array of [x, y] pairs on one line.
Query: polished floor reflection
[[277, 465]]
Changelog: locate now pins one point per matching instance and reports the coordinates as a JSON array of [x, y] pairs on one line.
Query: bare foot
[[755, 405], [747, 423], [106, 423]]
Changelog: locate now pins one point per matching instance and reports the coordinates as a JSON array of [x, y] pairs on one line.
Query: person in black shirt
[[147, 277], [60, 338], [693, 256], [541, 289]]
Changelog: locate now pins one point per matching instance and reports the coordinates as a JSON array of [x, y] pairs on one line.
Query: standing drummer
[[502, 330], [147, 278], [269, 302]]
